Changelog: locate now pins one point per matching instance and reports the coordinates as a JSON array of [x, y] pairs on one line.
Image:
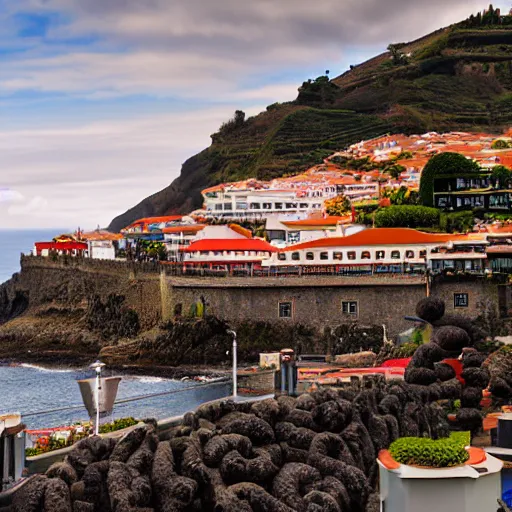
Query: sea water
[[31, 388], [13, 243]]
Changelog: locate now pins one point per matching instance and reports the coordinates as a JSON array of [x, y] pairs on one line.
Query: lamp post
[[233, 333], [97, 366]]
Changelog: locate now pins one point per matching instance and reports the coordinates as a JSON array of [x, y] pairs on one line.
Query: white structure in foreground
[[461, 489]]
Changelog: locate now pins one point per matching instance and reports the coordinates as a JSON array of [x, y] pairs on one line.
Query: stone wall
[[71, 281], [479, 290], [315, 301]]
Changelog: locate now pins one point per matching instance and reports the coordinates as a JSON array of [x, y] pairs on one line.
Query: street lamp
[[233, 333], [97, 366]]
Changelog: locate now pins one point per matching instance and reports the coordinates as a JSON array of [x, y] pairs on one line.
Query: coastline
[[164, 372]]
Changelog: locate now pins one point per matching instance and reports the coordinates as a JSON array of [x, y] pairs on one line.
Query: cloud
[[87, 173], [9, 196], [36, 205], [77, 147], [198, 48]]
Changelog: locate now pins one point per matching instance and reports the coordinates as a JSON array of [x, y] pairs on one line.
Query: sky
[[101, 101]]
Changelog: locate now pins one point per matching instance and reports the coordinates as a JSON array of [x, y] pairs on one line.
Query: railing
[[131, 399], [272, 272]]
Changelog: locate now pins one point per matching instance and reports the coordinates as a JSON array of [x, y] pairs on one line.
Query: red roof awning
[[61, 246], [235, 244]]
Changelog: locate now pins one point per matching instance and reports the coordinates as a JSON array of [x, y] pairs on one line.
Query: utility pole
[[233, 333]]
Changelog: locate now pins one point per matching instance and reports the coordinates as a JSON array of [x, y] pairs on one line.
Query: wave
[[45, 369], [150, 380]]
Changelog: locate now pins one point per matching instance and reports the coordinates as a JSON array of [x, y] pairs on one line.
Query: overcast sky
[[102, 100]]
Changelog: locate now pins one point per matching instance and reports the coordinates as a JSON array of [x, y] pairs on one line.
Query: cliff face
[[458, 78], [75, 310]]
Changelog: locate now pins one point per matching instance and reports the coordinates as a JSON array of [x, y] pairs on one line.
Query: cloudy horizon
[[101, 101]]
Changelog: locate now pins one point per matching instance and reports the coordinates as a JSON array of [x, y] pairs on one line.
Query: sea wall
[[71, 281], [316, 302]]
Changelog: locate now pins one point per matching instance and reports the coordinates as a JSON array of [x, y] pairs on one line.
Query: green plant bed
[[117, 425], [440, 453]]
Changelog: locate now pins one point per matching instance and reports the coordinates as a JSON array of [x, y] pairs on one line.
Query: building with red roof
[[230, 254], [382, 250]]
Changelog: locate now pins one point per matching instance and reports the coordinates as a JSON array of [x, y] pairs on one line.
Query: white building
[[394, 250], [284, 232]]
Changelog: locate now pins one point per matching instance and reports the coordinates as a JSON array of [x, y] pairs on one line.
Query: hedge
[[440, 453], [407, 216]]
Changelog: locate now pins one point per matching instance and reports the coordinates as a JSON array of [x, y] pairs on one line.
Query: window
[[303, 205], [295, 256], [460, 300], [285, 310], [395, 255], [337, 256], [351, 255], [227, 207], [294, 237], [380, 255], [365, 255], [279, 206], [423, 254], [324, 256], [409, 254], [310, 256], [291, 206], [349, 307], [267, 206], [255, 206], [281, 257], [241, 206], [218, 207]]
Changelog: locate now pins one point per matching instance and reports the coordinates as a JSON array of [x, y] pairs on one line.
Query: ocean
[[13, 243], [29, 389], [32, 389]]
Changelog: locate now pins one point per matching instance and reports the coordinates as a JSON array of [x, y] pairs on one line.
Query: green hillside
[[457, 78]]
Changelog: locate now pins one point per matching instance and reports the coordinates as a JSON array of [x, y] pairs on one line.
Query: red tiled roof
[[241, 230], [328, 221], [238, 244], [190, 228], [61, 246], [154, 220], [499, 249], [379, 236], [101, 235]]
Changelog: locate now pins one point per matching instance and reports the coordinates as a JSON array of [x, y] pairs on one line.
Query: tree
[[338, 206], [399, 58], [443, 164], [395, 171], [500, 144], [501, 176]]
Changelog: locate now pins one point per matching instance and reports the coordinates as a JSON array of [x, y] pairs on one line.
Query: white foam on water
[[44, 369], [150, 380]]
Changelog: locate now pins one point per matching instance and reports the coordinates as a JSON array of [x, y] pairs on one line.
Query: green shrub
[[440, 453], [443, 163], [406, 216], [457, 222], [117, 425]]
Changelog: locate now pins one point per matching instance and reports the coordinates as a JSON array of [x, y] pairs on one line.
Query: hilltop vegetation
[[457, 78]]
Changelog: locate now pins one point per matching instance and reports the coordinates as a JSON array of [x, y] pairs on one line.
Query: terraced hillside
[[457, 78], [286, 139]]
